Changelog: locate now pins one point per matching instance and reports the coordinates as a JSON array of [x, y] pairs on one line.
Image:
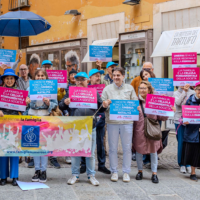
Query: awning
[[107, 42], [183, 40]]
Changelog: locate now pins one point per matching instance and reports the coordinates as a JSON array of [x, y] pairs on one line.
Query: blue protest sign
[[7, 57], [103, 53], [30, 136], [40, 89], [124, 110], [162, 86]]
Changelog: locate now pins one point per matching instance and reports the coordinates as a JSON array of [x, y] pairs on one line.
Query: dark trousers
[[101, 155]]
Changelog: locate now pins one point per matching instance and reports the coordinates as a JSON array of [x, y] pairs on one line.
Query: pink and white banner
[[159, 105], [181, 60], [191, 114], [13, 99], [98, 87], [183, 76], [60, 75], [82, 97]]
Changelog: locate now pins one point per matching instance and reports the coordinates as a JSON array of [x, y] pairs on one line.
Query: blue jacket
[[191, 133]]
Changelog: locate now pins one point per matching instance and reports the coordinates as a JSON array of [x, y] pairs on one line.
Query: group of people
[[131, 133]]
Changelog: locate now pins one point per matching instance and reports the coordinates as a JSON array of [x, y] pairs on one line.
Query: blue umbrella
[[22, 23]]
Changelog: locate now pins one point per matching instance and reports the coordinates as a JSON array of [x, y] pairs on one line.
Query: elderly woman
[[191, 144], [141, 144]]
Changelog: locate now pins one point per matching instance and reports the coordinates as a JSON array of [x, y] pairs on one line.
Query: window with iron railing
[[16, 4]]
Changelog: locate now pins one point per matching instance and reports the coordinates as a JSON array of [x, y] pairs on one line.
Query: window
[[15, 4], [24, 42]]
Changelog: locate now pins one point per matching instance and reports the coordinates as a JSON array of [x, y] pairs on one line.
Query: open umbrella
[[21, 24]]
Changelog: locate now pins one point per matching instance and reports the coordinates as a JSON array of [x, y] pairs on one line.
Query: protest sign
[[124, 110], [103, 53], [159, 105], [191, 114], [162, 86], [7, 57], [13, 99], [187, 59], [82, 97], [40, 89], [183, 76], [98, 87], [60, 76], [45, 136]]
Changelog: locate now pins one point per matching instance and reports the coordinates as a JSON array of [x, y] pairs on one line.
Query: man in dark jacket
[[82, 81]]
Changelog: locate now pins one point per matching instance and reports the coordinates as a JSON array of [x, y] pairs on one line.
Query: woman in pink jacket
[[141, 144]]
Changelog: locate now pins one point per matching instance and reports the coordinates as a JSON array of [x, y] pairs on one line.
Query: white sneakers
[[182, 169], [189, 170], [68, 160], [114, 177], [126, 177], [75, 179], [93, 180]]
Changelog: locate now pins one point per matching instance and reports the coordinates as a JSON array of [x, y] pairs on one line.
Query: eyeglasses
[[72, 65], [197, 89], [143, 88], [23, 69], [81, 80]]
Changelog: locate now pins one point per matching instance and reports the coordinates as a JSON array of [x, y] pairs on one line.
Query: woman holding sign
[[40, 108], [9, 81], [191, 144]]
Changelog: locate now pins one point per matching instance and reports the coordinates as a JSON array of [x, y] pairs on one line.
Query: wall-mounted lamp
[[72, 12], [131, 2]]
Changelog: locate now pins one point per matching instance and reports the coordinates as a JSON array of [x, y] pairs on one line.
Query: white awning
[[183, 40], [108, 42]]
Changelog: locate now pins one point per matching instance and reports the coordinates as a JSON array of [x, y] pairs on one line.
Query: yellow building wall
[[66, 27]]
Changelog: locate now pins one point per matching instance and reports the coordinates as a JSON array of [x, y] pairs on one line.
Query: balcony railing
[[16, 4]]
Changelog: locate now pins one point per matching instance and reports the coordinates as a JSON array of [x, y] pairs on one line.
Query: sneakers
[[114, 177], [126, 177], [54, 163], [31, 163], [93, 180], [68, 160], [73, 180], [104, 170], [36, 176], [182, 169], [43, 177], [189, 170]]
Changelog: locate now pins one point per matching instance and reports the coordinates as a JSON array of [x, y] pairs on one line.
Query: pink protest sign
[[98, 87], [13, 99], [183, 76], [191, 114], [60, 75], [159, 105], [82, 97], [187, 59]]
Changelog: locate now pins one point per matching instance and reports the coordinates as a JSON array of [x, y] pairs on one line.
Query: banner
[[181, 60], [124, 110], [13, 99], [162, 86], [59, 75], [7, 57], [159, 105], [103, 53], [183, 76], [45, 136], [40, 89], [82, 97], [98, 87], [191, 114]]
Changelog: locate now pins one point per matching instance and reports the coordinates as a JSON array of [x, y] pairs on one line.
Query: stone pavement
[[173, 185]]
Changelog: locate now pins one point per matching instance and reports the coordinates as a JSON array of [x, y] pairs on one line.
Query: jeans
[[40, 163], [90, 161], [154, 161], [126, 132], [179, 138]]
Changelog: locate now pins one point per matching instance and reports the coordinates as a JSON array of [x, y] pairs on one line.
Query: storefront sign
[[7, 57], [133, 36], [81, 97], [45, 136], [159, 105], [98, 87], [124, 110], [40, 89], [13, 99], [162, 86], [191, 114], [181, 60], [60, 76], [103, 53], [183, 76]]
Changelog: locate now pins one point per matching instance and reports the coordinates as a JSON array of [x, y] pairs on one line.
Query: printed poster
[[7, 57], [98, 87], [191, 114]]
